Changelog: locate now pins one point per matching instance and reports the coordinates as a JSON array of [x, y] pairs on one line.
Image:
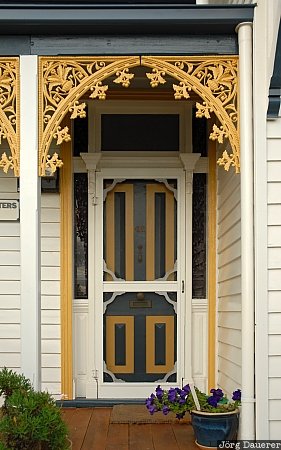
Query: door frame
[[123, 389]]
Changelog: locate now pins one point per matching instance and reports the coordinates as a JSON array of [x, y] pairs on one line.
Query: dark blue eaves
[[93, 18]]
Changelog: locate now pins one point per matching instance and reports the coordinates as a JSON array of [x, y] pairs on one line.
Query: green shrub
[[30, 420], [11, 381]]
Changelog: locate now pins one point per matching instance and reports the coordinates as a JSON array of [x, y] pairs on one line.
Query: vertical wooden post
[[30, 197], [212, 263], [66, 255]]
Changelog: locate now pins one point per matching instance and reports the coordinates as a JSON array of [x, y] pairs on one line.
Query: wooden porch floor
[[90, 429]]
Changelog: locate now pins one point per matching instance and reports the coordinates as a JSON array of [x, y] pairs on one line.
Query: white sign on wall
[[9, 210]]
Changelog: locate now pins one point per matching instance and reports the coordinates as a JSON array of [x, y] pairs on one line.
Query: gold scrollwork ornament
[[52, 164], [203, 110], [6, 162], [219, 133], [62, 135], [181, 91], [99, 91], [156, 77], [78, 110], [228, 160], [124, 77]]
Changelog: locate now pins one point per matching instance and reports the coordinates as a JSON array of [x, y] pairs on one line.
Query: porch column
[[247, 423], [30, 222]]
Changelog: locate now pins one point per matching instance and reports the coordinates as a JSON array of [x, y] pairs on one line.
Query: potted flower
[[213, 417]]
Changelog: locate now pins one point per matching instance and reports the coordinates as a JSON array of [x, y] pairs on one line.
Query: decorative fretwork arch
[[63, 81], [215, 81], [9, 112]]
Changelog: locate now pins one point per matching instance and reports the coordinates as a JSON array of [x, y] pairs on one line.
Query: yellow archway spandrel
[[63, 81], [215, 80], [9, 113]]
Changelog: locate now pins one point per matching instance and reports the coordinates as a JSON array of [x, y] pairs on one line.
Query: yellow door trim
[[129, 230], [128, 321], [151, 367], [66, 237], [151, 190]]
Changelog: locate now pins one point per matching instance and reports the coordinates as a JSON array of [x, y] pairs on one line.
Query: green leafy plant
[[180, 401], [30, 420], [11, 382]]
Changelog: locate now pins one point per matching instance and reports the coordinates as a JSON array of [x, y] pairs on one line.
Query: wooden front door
[[141, 286]]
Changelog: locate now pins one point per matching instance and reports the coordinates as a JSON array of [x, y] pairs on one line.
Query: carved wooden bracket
[[9, 113]]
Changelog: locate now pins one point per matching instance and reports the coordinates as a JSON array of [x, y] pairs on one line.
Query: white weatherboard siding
[[9, 281], [229, 281], [274, 275], [10, 287], [50, 290]]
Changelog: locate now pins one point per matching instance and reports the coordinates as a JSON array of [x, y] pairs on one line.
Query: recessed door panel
[[140, 336]]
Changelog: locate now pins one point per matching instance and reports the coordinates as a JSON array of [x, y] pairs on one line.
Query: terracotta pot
[[209, 428]]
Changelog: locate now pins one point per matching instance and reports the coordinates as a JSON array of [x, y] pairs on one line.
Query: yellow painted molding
[[128, 322], [151, 366], [212, 256], [66, 239]]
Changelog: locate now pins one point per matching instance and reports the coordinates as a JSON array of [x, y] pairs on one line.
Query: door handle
[[182, 287]]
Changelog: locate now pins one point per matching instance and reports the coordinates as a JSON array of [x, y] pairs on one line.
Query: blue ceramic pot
[[209, 428]]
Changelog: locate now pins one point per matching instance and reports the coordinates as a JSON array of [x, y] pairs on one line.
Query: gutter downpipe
[[247, 420]]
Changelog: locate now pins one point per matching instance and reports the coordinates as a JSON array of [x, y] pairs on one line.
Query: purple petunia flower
[[217, 393], [213, 401], [172, 395], [236, 396], [166, 410], [152, 409], [186, 388], [150, 401], [159, 392]]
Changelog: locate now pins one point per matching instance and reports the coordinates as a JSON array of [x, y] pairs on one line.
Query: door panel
[[160, 336], [140, 336], [160, 242], [119, 235], [140, 230], [119, 335]]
